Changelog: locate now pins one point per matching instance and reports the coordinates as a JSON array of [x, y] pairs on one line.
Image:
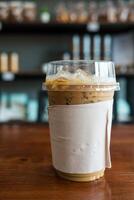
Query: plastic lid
[[81, 75]]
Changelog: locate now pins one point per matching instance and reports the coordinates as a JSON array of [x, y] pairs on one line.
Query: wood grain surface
[[26, 172]]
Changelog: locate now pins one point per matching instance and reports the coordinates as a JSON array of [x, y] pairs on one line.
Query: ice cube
[[63, 74], [82, 75]]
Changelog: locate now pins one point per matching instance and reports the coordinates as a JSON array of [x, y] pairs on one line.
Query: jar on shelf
[[29, 11], [15, 11], [111, 12], [123, 12], [62, 13], [131, 12], [45, 15], [102, 10], [13, 62], [3, 62], [72, 13], [4, 11], [82, 15], [93, 12]]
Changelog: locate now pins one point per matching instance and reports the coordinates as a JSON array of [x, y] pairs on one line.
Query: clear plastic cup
[[80, 115]]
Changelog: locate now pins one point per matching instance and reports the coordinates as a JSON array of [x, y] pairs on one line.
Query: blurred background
[[35, 32]]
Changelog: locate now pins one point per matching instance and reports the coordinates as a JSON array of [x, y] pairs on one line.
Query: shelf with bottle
[[126, 75], [64, 28], [9, 62], [17, 106], [10, 68], [18, 11], [22, 75], [125, 71], [67, 11]]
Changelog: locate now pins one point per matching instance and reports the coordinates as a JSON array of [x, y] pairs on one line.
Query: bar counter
[[26, 172]]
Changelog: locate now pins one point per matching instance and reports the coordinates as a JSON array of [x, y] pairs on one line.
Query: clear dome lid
[[87, 74]]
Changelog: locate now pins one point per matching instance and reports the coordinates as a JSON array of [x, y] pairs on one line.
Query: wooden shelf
[[56, 28], [125, 76], [9, 77]]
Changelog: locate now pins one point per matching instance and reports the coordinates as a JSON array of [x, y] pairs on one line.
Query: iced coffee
[[80, 115]]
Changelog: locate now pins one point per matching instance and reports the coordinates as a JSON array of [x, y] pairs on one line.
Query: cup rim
[[59, 62]]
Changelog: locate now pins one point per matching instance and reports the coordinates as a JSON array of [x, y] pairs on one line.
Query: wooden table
[[26, 172]]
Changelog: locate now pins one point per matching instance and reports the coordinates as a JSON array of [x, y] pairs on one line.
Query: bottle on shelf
[[123, 12], [3, 107], [3, 62], [45, 15], [107, 47], [87, 47], [111, 12], [97, 47], [13, 62], [29, 11], [102, 10], [81, 12], [4, 11], [76, 47], [93, 12], [66, 56], [32, 105], [15, 11], [131, 12]]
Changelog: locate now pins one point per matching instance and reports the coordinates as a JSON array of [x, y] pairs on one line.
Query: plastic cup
[[80, 117]]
